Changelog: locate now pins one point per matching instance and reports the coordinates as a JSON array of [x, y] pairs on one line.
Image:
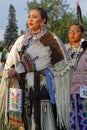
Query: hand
[[12, 72]]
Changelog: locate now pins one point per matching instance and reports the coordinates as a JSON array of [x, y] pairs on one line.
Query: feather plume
[[48, 39], [79, 13]]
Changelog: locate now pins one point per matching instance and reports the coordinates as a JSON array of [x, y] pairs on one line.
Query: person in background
[[77, 48], [28, 74], [3, 56]]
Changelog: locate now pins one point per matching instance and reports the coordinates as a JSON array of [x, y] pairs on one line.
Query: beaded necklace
[[32, 38], [75, 52]]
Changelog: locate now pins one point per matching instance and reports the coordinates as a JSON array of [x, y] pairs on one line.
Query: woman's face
[[34, 21], [75, 34]]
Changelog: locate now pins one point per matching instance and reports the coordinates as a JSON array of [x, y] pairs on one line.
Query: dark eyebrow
[[34, 15]]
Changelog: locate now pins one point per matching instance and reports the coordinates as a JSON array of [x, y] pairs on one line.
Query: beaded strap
[[28, 62]]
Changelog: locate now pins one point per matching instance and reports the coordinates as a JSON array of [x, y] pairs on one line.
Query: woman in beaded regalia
[[28, 89], [77, 48]]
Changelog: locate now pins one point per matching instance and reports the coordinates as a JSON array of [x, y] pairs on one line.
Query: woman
[[29, 75], [76, 36], [77, 50]]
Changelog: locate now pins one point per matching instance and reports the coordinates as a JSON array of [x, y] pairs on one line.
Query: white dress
[[61, 74]]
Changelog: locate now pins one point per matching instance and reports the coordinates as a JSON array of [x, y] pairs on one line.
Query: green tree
[[11, 32], [85, 24], [59, 17]]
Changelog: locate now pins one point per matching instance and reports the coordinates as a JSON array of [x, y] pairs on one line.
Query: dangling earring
[[42, 25]]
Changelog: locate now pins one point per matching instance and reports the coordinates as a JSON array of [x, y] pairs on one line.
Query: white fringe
[[62, 76]]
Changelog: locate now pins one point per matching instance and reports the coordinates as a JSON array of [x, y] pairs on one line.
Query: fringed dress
[[45, 109]]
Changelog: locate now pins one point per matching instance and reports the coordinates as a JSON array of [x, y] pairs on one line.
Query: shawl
[[12, 59], [78, 55], [80, 74]]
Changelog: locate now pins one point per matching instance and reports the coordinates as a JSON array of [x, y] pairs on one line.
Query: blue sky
[[21, 12]]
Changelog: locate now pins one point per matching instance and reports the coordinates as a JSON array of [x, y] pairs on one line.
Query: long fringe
[[62, 89]]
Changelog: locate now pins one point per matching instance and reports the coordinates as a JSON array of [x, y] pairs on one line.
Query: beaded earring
[[42, 25]]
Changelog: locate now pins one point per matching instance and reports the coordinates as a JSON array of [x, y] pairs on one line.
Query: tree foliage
[[85, 25], [59, 18], [11, 32]]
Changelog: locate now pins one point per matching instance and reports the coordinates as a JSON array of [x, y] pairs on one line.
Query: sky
[[21, 12]]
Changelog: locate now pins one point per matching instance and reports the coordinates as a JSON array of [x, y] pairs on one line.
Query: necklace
[[35, 33], [31, 38], [74, 51]]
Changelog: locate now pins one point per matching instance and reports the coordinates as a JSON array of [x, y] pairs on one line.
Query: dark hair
[[80, 26], [43, 13]]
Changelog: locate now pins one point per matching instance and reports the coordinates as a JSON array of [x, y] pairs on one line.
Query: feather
[[79, 13], [48, 39]]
